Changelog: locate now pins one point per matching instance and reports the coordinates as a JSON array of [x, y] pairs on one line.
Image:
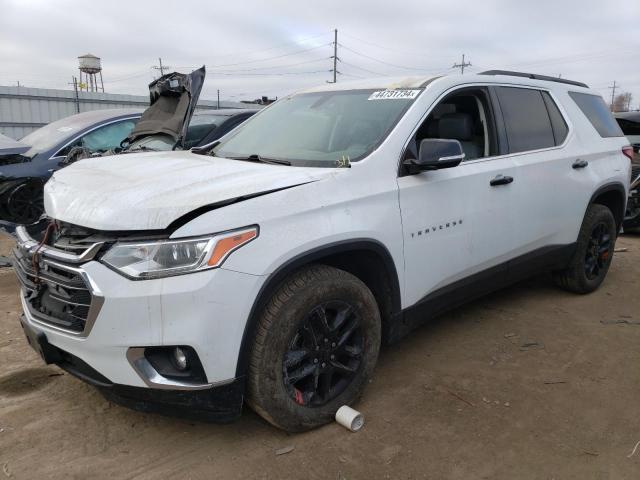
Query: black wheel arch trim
[[306, 258], [611, 187]]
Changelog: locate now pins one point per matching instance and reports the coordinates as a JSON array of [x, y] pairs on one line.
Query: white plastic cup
[[349, 418]]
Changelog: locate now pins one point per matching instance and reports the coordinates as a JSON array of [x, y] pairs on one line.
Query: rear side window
[[560, 129], [526, 119], [598, 113]]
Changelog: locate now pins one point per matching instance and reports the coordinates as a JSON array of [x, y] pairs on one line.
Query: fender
[[611, 187], [277, 277]]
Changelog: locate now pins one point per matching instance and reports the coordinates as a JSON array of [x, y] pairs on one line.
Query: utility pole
[[218, 99], [461, 65], [75, 89], [613, 93], [335, 56], [161, 67], [18, 83]]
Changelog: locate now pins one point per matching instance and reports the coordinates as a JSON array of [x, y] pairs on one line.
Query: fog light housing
[[176, 362], [180, 359]]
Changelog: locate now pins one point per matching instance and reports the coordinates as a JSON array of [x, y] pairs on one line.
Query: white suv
[[270, 266]]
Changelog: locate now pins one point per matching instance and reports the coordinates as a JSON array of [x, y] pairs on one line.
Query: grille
[[57, 295]]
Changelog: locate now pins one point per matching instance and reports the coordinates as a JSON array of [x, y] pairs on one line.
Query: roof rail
[[534, 76]]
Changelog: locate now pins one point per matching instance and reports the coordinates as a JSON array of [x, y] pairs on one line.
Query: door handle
[[500, 180], [579, 164]]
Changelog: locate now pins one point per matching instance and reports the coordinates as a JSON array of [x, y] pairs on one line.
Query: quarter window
[[596, 111], [526, 119], [560, 129]]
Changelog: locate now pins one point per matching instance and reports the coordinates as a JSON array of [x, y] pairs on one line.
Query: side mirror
[[436, 153]]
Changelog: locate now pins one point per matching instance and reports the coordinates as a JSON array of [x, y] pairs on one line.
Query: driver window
[[464, 116]]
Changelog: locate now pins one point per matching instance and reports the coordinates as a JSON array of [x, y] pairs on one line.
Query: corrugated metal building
[[23, 110]]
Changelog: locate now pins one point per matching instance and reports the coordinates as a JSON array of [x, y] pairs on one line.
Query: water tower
[[90, 66]]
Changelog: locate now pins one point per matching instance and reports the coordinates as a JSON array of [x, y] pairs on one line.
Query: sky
[[253, 48]]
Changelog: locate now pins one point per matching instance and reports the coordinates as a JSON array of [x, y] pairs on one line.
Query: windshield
[[320, 129], [51, 135]]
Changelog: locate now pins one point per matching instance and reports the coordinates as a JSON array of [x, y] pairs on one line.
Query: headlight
[[164, 258]]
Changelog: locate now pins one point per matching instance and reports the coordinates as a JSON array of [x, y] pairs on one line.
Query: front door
[[458, 222]]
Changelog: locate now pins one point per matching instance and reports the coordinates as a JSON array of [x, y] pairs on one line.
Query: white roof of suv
[[491, 76]]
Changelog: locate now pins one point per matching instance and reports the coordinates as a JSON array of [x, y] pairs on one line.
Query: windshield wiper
[[204, 149], [258, 158]]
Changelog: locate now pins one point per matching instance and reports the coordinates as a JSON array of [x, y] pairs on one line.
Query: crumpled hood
[[148, 191], [173, 98]]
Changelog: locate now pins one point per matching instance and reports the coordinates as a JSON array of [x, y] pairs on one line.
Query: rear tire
[[594, 252], [315, 348]]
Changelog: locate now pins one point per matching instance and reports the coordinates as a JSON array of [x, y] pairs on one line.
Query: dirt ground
[[531, 382]]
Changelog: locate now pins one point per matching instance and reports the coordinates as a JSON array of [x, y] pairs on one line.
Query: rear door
[[537, 135]]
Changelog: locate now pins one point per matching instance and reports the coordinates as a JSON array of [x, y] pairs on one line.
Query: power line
[[296, 42], [419, 69], [128, 77], [405, 52], [580, 57], [273, 74], [342, 62], [315, 60], [272, 58]]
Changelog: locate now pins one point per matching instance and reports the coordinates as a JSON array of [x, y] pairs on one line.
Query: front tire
[[594, 252], [316, 347], [25, 203]]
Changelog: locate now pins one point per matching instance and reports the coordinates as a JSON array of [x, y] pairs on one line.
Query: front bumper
[[221, 403], [206, 311]]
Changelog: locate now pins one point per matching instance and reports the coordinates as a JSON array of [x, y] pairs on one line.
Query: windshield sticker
[[394, 94]]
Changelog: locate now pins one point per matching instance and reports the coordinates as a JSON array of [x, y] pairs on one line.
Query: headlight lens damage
[[143, 260]]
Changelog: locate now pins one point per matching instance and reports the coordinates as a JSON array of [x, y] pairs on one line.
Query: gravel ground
[[530, 382]]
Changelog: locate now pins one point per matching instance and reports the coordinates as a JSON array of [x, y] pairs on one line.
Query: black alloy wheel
[[324, 354], [593, 254], [25, 203], [315, 348], [598, 251]]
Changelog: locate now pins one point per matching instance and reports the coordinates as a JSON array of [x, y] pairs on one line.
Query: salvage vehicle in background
[[167, 124], [171, 121], [270, 266], [205, 127], [25, 168], [630, 124]]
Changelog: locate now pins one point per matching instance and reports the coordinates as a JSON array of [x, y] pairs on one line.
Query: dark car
[[25, 168], [630, 124]]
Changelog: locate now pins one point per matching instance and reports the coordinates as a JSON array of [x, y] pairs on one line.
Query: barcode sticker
[[394, 95]]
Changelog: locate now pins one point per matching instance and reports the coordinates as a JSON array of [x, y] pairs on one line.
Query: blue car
[[25, 166]]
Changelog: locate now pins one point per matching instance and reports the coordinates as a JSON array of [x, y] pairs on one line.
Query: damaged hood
[[173, 98], [149, 191]]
